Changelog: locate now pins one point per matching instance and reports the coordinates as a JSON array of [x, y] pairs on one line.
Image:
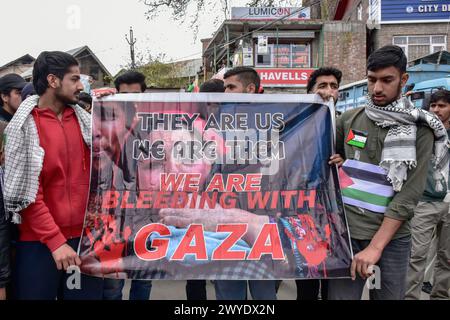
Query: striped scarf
[[399, 150]]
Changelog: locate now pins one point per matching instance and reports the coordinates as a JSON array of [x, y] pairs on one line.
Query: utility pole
[[131, 42]]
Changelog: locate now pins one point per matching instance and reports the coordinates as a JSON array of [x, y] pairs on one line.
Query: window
[[438, 39], [400, 40], [284, 56], [360, 11], [419, 46], [438, 48], [343, 95]]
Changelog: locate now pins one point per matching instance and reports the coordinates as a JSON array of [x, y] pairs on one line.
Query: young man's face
[[385, 85], [234, 85], [442, 110], [110, 135], [130, 88], [70, 86], [327, 87], [13, 100]]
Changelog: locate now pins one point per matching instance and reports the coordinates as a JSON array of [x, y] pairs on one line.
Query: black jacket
[[5, 240], [5, 271], [5, 116]]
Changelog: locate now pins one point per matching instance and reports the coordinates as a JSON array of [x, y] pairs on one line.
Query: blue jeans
[[393, 266], [237, 289], [36, 277], [140, 289]]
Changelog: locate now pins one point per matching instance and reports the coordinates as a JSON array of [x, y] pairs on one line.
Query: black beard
[[399, 94], [65, 100]]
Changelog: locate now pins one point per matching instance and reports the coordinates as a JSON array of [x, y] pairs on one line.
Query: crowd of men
[[45, 161]]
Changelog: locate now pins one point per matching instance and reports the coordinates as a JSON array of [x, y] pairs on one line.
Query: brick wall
[[345, 48]]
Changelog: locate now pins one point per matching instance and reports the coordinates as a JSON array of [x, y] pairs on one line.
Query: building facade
[[91, 65], [285, 47], [18, 66], [419, 27]]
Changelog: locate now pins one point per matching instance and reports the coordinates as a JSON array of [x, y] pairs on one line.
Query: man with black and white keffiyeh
[[390, 133], [47, 171]]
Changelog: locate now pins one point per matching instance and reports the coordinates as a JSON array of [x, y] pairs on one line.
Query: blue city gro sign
[[415, 10]]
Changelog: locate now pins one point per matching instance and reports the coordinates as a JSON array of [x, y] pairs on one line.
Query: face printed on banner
[[385, 85], [149, 171], [109, 135], [69, 88]]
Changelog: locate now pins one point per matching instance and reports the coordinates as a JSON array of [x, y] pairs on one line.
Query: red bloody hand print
[[310, 244], [108, 243]]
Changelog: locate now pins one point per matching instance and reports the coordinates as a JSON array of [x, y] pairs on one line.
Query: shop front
[[285, 48], [282, 45]]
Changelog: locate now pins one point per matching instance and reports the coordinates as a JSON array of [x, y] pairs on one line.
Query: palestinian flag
[[365, 185], [357, 138]]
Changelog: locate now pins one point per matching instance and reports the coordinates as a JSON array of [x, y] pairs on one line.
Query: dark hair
[[6, 92], [443, 95], [85, 97], [246, 76], [325, 71], [131, 77], [387, 56], [85, 101], [51, 62], [212, 85]]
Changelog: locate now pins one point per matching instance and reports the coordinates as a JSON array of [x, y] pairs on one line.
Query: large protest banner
[[214, 186]]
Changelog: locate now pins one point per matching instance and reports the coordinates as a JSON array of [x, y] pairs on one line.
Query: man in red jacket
[[51, 225]]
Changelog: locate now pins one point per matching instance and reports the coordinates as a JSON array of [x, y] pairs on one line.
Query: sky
[[32, 26]]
